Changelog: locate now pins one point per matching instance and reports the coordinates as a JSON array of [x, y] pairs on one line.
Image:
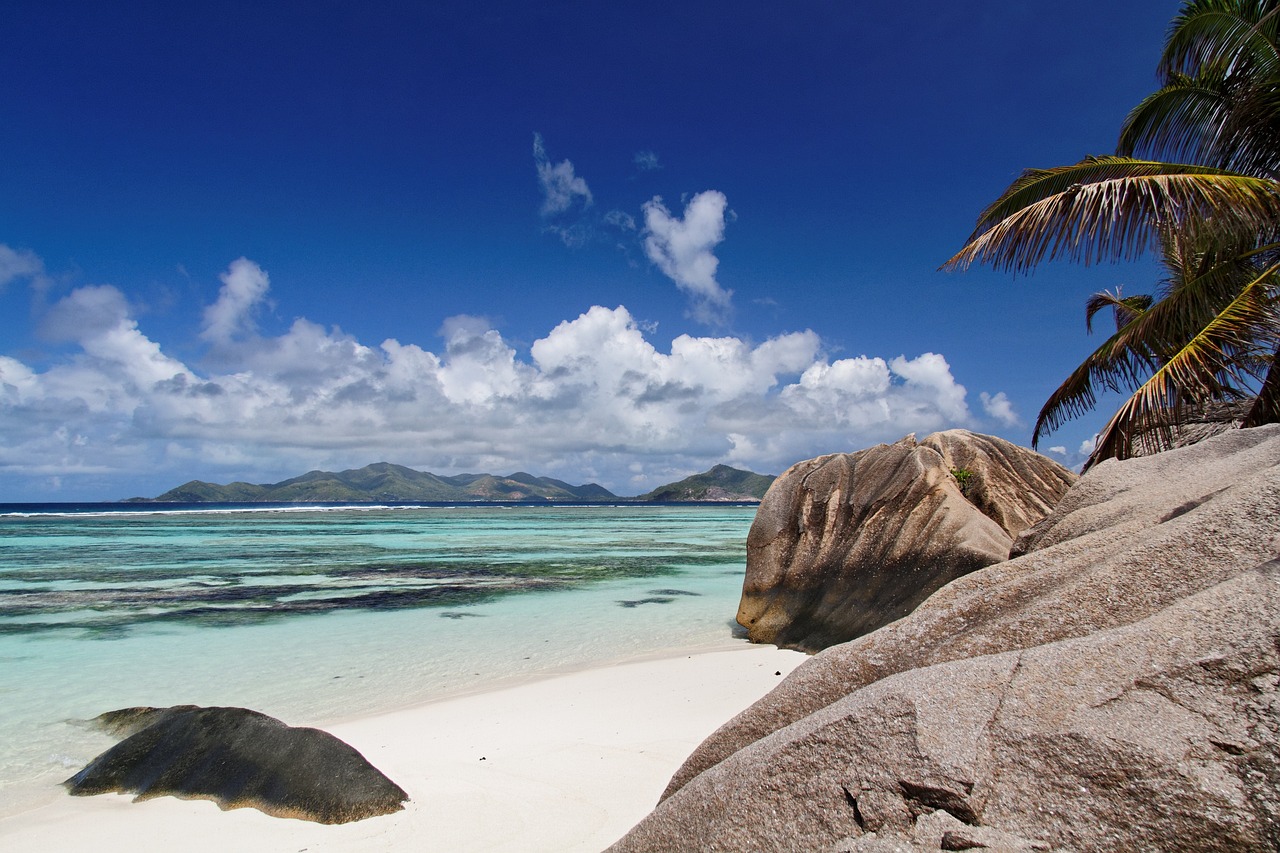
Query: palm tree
[[1193, 344], [1212, 208]]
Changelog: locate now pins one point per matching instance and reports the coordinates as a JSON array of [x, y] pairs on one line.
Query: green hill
[[721, 483], [383, 481]]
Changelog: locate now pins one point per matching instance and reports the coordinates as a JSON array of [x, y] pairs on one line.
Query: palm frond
[[1125, 308], [1235, 33], [1205, 280], [1112, 208], [1216, 364], [1250, 133], [1266, 406], [1118, 363], [1180, 122]]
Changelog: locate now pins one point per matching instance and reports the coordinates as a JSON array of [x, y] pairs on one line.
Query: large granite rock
[[237, 758], [1115, 687], [846, 543]]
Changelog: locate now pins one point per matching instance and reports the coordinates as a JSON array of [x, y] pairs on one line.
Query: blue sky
[[605, 242]]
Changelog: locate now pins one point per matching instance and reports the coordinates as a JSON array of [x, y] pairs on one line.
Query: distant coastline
[[145, 506], [384, 483]]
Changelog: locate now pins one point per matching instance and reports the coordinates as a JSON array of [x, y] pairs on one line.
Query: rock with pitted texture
[[846, 543], [237, 758], [1116, 687]]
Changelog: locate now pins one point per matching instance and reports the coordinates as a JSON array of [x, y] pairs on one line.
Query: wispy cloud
[[560, 186], [621, 220], [593, 399], [647, 161], [683, 248], [18, 264]]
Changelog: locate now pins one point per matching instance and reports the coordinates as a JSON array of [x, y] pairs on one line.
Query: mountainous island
[[721, 483], [384, 481]]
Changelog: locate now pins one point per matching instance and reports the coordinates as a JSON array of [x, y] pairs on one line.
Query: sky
[[604, 242]]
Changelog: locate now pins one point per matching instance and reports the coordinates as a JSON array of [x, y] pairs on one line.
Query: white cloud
[[115, 367], [999, 407], [560, 186], [479, 367], [684, 250], [1058, 449], [244, 286], [84, 313], [462, 326], [872, 396], [16, 264], [928, 379], [1088, 446], [593, 399]]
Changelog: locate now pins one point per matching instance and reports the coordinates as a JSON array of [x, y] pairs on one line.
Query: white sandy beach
[[566, 763]]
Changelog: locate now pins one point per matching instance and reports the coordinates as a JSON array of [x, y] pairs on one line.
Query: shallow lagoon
[[316, 615]]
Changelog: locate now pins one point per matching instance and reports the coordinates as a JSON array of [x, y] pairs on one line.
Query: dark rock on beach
[[1115, 687], [237, 758], [846, 543], [655, 599]]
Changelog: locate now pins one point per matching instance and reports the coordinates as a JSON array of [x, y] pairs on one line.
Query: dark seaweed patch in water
[[243, 573], [109, 631], [231, 610], [97, 630]]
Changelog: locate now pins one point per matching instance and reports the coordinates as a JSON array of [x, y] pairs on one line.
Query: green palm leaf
[[1213, 365], [1113, 208], [1203, 281], [1182, 121], [1212, 330], [1112, 366], [1125, 308], [1235, 33]]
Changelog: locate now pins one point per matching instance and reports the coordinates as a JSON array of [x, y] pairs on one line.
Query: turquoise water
[[318, 615]]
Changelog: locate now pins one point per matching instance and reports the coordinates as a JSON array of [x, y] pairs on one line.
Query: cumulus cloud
[[560, 186], [115, 366], [683, 248], [85, 313], [594, 399], [244, 286], [1058, 449], [999, 407]]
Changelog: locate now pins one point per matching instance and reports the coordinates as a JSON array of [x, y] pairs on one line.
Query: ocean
[[315, 614]]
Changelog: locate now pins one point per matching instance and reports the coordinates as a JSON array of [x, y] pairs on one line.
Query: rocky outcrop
[[237, 758], [1115, 687], [846, 543]]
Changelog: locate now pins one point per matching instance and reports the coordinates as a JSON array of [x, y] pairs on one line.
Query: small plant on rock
[[966, 479]]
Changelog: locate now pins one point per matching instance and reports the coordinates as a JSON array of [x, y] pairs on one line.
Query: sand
[[562, 764]]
